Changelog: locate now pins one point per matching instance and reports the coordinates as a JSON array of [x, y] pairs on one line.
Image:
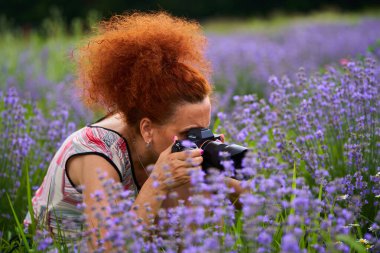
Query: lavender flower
[[325, 127], [29, 142]]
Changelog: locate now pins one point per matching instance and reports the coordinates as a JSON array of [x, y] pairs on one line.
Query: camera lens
[[211, 155]]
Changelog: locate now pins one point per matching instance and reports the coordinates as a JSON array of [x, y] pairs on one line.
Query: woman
[[149, 72]]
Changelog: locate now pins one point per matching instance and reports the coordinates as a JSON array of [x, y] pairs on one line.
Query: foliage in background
[[33, 12], [39, 63], [244, 61], [43, 70]]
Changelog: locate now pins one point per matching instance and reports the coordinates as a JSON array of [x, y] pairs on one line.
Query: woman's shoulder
[[100, 141], [114, 146], [98, 138]]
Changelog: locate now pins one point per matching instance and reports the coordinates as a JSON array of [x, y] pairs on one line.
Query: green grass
[[278, 21]]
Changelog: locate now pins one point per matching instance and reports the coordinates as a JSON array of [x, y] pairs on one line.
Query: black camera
[[211, 145]]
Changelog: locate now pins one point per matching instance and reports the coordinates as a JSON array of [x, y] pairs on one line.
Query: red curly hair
[[144, 65]]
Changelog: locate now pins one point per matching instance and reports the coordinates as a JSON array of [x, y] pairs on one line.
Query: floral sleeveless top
[[56, 200]]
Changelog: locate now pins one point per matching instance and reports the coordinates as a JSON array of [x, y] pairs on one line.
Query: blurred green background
[[29, 13]]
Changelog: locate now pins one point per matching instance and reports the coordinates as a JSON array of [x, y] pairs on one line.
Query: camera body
[[211, 145]]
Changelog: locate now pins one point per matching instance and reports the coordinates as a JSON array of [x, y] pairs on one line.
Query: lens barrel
[[212, 157]]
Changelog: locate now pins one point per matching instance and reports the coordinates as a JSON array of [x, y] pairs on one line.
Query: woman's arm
[[84, 171], [91, 167], [234, 197]]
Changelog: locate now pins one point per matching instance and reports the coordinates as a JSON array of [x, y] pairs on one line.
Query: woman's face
[[186, 116]]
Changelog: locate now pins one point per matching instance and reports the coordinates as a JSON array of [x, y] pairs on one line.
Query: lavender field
[[304, 98]]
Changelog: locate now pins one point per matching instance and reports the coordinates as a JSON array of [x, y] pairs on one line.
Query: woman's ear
[[146, 130]]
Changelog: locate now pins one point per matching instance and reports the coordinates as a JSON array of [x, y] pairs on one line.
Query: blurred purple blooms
[[55, 89], [242, 62], [28, 142]]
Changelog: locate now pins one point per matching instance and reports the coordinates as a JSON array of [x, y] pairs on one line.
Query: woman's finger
[[183, 155], [195, 161], [188, 162]]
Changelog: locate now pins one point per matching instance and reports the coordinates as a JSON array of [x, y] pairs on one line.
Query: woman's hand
[[170, 171], [173, 169]]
